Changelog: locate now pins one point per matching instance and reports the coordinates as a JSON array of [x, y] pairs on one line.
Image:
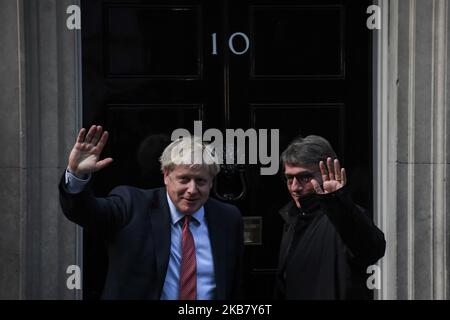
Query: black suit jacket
[[136, 226]]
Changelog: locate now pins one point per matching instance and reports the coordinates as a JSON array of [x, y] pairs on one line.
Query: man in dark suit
[[167, 243]]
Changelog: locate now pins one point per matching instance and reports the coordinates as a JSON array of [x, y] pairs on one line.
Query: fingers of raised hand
[[97, 135], [101, 143], [330, 168], [316, 186], [90, 134], [337, 170], [81, 135], [323, 171], [103, 163], [343, 177]]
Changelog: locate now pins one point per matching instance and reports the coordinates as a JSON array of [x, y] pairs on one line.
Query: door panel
[[285, 47], [133, 48]]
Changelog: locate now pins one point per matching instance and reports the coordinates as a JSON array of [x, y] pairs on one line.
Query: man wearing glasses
[[328, 241]]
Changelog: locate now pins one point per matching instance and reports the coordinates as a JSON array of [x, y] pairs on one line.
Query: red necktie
[[188, 273]]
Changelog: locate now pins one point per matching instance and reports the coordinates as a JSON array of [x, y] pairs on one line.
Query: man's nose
[[192, 187], [297, 186]]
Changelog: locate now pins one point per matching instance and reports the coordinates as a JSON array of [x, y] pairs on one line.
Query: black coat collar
[[310, 206]]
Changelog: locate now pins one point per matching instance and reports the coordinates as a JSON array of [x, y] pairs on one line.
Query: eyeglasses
[[302, 178]]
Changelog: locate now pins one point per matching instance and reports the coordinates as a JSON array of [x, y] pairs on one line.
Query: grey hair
[[307, 151], [191, 151]]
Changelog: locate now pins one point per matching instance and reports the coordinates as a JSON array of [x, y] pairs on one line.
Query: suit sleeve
[[237, 291], [104, 216], [365, 241]]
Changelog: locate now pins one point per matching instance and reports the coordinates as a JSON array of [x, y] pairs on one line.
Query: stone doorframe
[[412, 147], [40, 115]]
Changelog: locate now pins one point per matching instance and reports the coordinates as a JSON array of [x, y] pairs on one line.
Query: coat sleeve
[[103, 216], [365, 240]]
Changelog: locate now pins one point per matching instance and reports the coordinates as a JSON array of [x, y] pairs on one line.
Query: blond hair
[[191, 151]]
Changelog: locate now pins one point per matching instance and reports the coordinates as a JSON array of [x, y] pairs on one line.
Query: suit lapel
[[160, 218], [219, 248]]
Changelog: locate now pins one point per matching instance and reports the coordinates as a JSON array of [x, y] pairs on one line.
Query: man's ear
[[211, 183], [166, 176]]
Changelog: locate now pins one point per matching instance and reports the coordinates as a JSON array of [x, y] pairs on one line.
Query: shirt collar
[[176, 215]]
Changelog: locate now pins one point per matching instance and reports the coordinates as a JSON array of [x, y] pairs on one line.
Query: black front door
[[150, 67]]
